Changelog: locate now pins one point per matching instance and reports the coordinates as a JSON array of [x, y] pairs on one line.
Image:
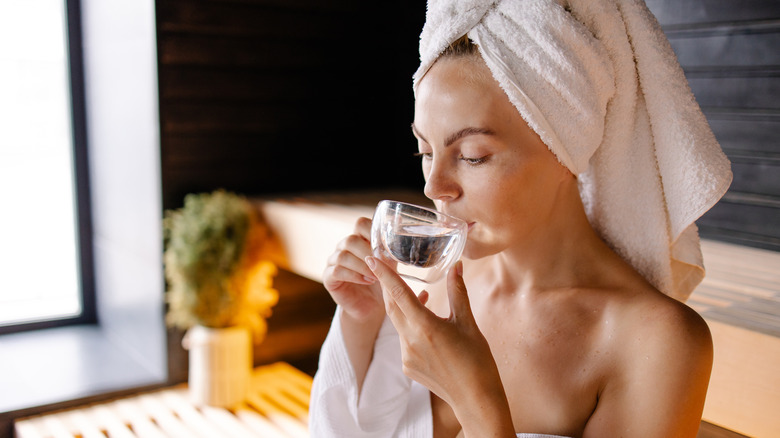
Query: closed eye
[[425, 155], [475, 161]]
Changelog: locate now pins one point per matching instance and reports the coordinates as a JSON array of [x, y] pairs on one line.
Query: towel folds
[[600, 84]]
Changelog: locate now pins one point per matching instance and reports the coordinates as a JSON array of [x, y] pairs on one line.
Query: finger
[[395, 289], [460, 307], [334, 276], [363, 228], [351, 262], [357, 244]]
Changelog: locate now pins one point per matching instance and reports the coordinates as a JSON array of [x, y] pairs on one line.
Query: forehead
[[458, 92]]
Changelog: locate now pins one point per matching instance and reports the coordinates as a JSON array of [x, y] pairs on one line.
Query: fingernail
[[368, 279], [371, 262], [459, 268]]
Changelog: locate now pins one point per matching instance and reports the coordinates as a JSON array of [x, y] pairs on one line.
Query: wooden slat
[[741, 288], [222, 117], [275, 408], [761, 178], [260, 424], [242, 84], [747, 49], [225, 420], [140, 423], [692, 12], [177, 401], [747, 133], [85, 425], [56, 427], [27, 429], [243, 19], [280, 418], [761, 220], [173, 426], [113, 424], [210, 50], [304, 5], [737, 92]]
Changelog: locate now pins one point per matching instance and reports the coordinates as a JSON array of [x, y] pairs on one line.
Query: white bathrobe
[[390, 405]]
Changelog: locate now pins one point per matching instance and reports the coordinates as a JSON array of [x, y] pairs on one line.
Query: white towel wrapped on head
[[598, 81]]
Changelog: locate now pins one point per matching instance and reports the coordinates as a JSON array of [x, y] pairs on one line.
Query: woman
[[535, 121]]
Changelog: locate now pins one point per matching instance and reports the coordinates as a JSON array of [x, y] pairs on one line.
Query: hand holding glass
[[421, 242]]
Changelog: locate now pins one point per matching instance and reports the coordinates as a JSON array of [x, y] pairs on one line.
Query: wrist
[[359, 336], [485, 412], [367, 319], [487, 420]]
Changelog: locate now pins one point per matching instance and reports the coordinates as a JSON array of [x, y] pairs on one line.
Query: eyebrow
[[465, 132]]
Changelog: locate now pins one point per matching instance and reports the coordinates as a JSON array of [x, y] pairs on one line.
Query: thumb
[[460, 307]]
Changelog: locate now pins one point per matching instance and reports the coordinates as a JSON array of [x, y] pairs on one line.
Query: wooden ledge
[[308, 227], [740, 300]]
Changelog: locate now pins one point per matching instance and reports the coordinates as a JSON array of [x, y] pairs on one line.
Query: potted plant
[[219, 290]]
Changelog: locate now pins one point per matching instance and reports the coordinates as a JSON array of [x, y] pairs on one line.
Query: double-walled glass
[[422, 243]]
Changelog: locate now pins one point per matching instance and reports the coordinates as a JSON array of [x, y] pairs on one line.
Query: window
[[42, 173], [123, 345]]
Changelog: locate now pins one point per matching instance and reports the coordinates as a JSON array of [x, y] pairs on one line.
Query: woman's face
[[481, 161]]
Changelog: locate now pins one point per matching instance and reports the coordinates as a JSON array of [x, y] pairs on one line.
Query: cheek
[[505, 198], [493, 196]]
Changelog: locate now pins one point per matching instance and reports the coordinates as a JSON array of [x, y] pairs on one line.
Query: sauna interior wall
[[729, 53], [267, 97]]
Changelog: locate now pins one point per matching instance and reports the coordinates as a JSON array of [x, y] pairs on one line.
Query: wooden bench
[[740, 299], [276, 407]]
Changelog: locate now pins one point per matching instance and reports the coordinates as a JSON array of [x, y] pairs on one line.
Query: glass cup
[[422, 243]]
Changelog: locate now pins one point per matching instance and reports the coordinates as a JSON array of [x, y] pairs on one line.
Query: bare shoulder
[[657, 324], [662, 361]]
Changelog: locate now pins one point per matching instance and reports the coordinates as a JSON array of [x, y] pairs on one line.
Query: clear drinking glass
[[421, 242]]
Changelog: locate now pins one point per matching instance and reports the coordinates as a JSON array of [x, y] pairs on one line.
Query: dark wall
[[284, 96], [270, 96], [729, 50], [274, 96]]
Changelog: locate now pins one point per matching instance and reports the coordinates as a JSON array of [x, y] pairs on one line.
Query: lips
[[470, 224]]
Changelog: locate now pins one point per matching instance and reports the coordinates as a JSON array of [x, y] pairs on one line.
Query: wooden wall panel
[[282, 96], [737, 91], [275, 96], [271, 96], [695, 12], [725, 46], [729, 53], [755, 217], [745, 133], [756, 177]]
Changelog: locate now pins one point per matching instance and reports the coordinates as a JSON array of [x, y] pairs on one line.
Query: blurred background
[[123, 107]]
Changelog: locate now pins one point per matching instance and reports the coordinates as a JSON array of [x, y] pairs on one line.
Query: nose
[[441, 183]]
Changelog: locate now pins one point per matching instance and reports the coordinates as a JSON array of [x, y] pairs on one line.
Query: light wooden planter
[[220, 365]]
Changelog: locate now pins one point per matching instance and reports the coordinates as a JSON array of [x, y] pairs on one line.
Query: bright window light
[[39, 277]]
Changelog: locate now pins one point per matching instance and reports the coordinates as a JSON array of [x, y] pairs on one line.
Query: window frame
[[78, 120]]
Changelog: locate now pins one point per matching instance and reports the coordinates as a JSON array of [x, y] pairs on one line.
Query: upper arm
[[660, 379]]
